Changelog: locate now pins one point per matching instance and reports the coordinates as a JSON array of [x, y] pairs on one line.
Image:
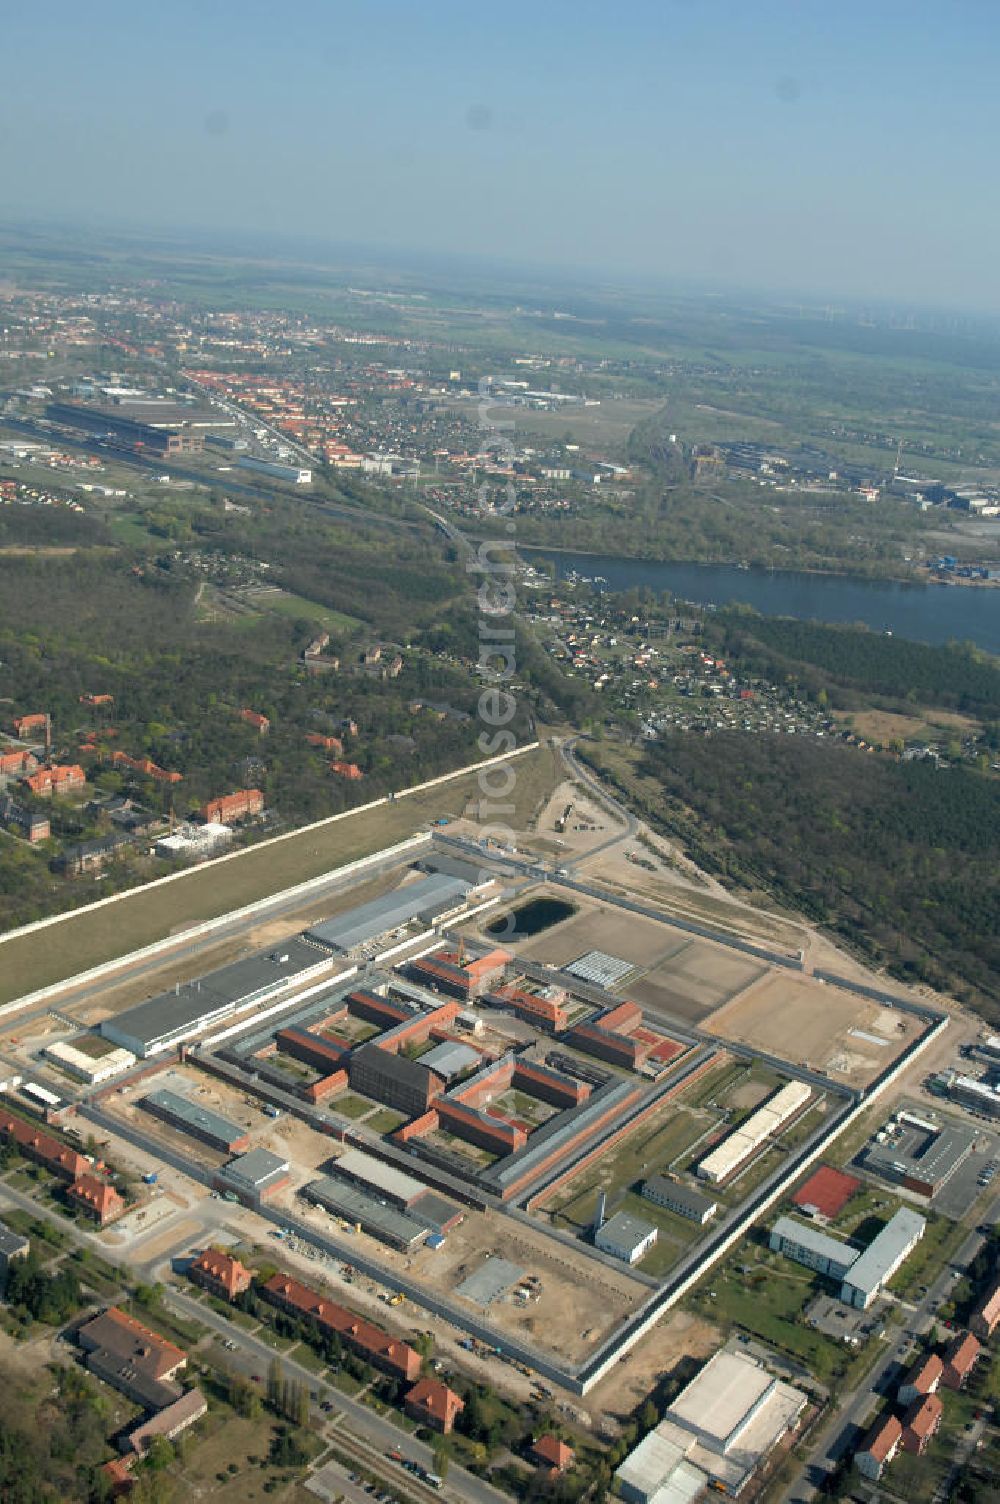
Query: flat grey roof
[[934, 1160], [200, 1118], [625, 1230], [355, 1205], [882, 1255], [255, 1168], [450, 1059], [427, 895], [216, 993], [355, 1165]]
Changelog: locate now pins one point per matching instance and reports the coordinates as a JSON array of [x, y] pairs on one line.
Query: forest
[[898, 860], [953, 677]]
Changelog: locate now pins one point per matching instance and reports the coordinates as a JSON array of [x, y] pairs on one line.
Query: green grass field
[[83, 940], [647, 1152]]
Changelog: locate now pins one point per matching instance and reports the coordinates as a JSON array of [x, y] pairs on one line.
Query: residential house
[[959, 1360], [983, 1321], [921, 1379], [28, 725], [552, 1454], [97, 1197], [43, 1148], [390, 1354], [434, 1405], [260, 723], [132, 1358], [228, 808], [54, 780], [879, 1447], [220, 1273], [17, 762], [921, 1422], [349, 770]]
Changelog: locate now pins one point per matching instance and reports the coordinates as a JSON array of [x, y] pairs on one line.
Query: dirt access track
[[92, 937]]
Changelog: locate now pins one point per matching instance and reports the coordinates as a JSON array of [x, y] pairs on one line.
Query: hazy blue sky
[[820, 145]]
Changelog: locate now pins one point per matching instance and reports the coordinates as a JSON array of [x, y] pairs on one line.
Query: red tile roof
[[883, 1438], [961, 1353], [98, 1197], [389, 1353], [436, 1402], [553, 1453], [221, 1269]]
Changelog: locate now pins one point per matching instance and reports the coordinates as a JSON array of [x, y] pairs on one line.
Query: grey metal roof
[[255, 1168], [823, 1244], [376, 1176], [189, 1114], [882, 1256], [212, 996], [427, 895], [680, 1195], [375, 1216], [450, 1059]]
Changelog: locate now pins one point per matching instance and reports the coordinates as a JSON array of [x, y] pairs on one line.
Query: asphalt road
[[252, 1355]]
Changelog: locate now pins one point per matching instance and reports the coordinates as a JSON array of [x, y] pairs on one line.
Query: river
[[925, 613]]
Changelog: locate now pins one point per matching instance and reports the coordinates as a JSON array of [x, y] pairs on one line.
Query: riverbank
[[908, 608]]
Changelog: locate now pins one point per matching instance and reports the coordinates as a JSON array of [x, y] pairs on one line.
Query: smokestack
[[600, 1212]]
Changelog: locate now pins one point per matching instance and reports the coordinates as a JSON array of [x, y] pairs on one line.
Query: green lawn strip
[[385, 1120], [351, 1106]]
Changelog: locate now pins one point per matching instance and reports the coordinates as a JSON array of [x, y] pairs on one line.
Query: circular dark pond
[[533, 917]]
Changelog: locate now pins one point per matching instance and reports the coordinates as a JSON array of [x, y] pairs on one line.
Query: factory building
[[917, 1154], [715, 1434], [373, 1216], [743, 1142], [403, 1084], [170, 433], [165, 1021], [680, 1199], [625, 1237], [276, 471], [428, 900], [198, 1122], [807, 1245]]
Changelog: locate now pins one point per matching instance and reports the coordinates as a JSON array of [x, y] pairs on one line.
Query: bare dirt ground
[[695, 978], [807, 1023], [581, 1299], [679, 1335]]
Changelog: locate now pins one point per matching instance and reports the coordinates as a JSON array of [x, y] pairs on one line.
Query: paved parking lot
[[956, 1197]]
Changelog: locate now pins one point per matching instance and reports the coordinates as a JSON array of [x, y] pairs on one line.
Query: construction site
[[536, 1108]]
